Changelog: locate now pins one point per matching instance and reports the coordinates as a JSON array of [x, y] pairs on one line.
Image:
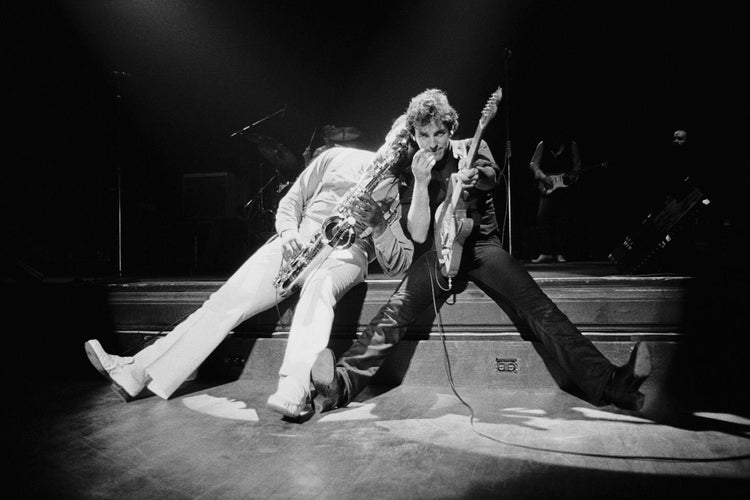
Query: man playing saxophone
[[336, 175]]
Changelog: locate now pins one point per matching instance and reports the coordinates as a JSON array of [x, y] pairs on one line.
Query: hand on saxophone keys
[[368, 214], [291, 244]]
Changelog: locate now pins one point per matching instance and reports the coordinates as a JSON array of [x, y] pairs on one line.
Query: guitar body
[[560, 180], [452, 227]]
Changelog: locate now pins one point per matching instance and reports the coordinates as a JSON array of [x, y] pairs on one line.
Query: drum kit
[[286, 166]]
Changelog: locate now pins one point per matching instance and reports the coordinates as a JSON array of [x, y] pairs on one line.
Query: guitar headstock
[[490, 109]]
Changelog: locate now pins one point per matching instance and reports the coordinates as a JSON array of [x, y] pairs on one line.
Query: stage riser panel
[[501, 364], [603, 305], [473, 364]]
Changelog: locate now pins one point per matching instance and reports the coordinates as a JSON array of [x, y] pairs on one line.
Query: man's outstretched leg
[[164, 365]]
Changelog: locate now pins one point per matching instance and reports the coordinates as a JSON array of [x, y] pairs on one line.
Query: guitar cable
[[441, 330]]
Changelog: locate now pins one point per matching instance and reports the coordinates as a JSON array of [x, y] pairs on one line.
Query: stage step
[[481, 343], [693, 326], [591, 299]]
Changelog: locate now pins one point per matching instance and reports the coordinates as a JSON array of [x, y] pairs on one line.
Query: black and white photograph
[[415, 249]]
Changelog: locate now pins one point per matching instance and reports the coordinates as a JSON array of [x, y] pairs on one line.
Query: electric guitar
[[452, 226], [561, 180]]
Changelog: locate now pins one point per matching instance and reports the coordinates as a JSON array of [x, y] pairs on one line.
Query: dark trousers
[[553, 219], [503, 278]]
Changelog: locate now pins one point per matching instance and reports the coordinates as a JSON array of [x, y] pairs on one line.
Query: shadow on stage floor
[[77, 439]]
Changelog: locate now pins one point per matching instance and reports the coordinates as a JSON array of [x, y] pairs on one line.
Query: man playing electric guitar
[[452, 226], [555, 162], [432, 121]]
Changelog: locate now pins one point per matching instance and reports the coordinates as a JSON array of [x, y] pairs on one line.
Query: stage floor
[[67, 435], [78, 439]]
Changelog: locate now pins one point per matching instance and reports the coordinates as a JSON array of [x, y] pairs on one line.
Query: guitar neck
[[487, 114], [459, 195], [594, 166], [473, 150]]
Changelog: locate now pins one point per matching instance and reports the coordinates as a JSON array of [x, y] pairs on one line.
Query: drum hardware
[[341, 134], [279, 157], [277, 154]]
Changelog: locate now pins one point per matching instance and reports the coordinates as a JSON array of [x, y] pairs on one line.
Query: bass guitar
[[452, 226], [562, 180]]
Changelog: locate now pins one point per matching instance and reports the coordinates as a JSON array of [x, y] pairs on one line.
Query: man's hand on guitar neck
[[468, 176]]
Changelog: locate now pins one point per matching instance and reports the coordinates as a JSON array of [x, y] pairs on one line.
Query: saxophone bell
[[339, 231]]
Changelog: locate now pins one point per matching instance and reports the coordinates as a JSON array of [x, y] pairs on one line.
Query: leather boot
[[622, 390], [328, 382]]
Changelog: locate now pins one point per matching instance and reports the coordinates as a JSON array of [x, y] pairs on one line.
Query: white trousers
[[170, 360]]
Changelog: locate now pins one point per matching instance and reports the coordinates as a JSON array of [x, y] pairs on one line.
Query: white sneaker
[[117, 369], [290, 399]]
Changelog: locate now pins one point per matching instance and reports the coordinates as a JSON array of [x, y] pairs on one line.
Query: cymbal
[[342, 134], [275, 153]]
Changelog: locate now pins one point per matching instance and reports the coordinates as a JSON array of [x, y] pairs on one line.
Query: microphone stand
[[248, 127], [250, 205], [307, 155], [241, 132], [119, 75], [506, 166]]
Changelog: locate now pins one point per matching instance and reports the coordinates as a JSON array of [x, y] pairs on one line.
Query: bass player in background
[[163, 366], [432, 121], [556, 165]]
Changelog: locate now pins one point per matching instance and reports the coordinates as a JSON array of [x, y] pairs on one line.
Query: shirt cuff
[[386, 240], [282, 226]]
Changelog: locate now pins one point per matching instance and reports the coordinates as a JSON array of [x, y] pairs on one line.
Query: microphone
[[507, 53]]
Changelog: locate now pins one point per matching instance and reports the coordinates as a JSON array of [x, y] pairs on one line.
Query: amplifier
[[658, 228]]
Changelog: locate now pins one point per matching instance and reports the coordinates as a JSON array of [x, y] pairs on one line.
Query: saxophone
[[338, 230]]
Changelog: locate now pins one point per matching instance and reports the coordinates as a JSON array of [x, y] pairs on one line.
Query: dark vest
[[552, 165]]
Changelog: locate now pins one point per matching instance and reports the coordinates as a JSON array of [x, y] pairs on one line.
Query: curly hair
[[431, 106], [401, 167]]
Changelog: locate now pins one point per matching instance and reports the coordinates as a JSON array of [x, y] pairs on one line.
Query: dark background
[[622, 77]]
